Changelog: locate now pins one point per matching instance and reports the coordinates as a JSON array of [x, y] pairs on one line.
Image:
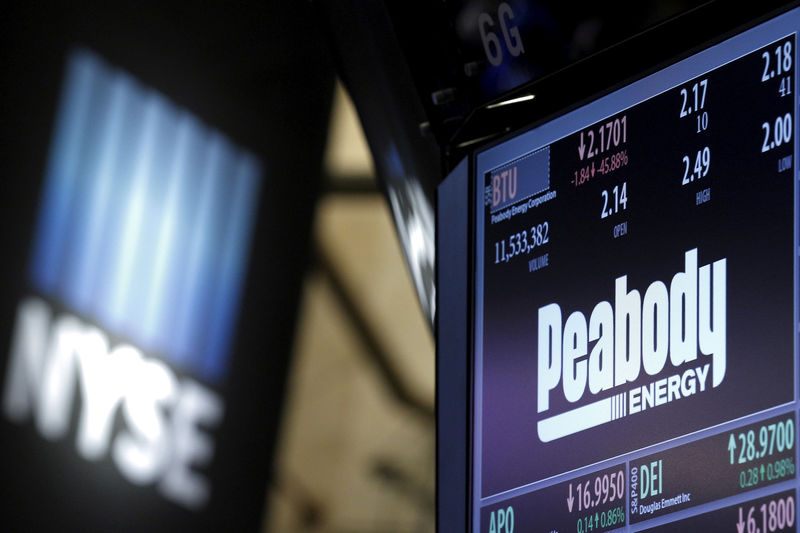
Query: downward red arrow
[[571, 500], [740, 523]]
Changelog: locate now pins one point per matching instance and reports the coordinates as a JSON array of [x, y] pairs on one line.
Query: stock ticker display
[[635, 363]]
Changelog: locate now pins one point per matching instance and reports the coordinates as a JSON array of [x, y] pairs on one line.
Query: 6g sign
[[490, 40]]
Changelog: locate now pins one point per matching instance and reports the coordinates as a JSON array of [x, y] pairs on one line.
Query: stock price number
[[605, 489], [697, 101], [606, 137], [783, 61], [781, 67], [779, 134], [777, 515], [615, 200], [702, 162], [778, 437], [694, 102], [521, 243]]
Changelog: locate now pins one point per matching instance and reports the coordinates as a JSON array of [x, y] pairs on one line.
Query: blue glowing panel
[[145, 220]]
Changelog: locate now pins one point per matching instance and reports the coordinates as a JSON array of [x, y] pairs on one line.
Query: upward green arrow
[[732, 446]]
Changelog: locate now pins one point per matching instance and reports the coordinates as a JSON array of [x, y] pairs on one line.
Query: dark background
[[261, 74]]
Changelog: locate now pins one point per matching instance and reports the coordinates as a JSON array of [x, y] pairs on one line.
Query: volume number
[[520, 243]]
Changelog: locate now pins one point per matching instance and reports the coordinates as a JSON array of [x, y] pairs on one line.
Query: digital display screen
[[636, 306]]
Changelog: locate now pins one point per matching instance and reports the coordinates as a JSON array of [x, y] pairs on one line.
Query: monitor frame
[[489, 126]]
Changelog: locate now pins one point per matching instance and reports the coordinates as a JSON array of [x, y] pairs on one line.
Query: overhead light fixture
[[525, 98]]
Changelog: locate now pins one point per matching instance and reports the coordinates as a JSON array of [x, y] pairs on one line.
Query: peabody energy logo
[[143, 233], [635, 334]]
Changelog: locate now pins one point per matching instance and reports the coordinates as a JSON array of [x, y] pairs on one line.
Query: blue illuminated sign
[[145, 220]]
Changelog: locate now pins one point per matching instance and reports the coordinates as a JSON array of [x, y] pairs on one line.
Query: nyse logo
[[163, 438], [143, 232]]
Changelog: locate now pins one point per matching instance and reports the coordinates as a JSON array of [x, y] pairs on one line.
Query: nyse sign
[[142, 240], [168, 422]]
